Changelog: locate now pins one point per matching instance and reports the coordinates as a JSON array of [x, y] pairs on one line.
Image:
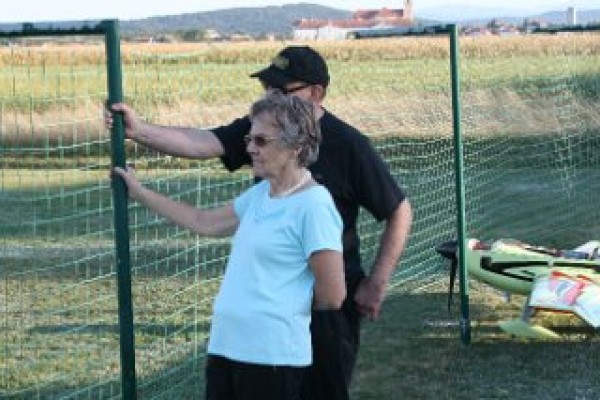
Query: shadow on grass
[[415, 351], [412, 351]]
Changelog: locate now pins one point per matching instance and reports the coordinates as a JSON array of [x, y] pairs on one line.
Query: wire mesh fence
[[530, 122]]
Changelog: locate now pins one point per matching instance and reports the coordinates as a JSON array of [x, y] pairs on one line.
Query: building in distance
[[362, 20]]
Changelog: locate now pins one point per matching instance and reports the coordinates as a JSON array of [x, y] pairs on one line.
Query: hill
[[558, 17], [481, 15], [255, 21], [553, 17]]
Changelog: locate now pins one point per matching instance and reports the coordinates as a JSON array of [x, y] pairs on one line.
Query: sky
[[67, 10]]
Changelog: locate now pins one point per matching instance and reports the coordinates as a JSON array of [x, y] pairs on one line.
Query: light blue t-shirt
[[262, 312]]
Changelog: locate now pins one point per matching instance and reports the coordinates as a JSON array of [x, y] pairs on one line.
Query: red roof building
[[318, 29]]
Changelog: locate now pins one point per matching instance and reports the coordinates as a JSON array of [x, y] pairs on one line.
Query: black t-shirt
[[348, 167]]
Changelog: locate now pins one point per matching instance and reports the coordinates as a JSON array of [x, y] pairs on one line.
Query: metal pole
[[126, 332], [465, 322]]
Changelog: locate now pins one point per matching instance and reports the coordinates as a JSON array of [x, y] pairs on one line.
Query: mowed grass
[[60, 305], [414, 351]]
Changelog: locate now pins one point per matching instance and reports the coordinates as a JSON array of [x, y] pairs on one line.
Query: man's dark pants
[[335, 341]]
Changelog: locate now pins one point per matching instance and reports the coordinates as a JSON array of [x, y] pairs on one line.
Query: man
[[356, 177]]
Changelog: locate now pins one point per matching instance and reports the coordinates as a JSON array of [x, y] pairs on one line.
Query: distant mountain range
[[253, 20], [277, 20], [471, 15], [256, 21]]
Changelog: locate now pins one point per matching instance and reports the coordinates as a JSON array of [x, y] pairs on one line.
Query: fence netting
[[530, 125]]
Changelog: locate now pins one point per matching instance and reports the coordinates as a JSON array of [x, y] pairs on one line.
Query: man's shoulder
[[335, 129], [239, 125]]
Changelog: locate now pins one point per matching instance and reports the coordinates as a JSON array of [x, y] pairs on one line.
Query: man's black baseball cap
[[295, 63]]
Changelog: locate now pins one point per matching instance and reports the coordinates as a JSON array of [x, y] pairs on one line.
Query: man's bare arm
[[180, 142], [177, 141], [371, 291]]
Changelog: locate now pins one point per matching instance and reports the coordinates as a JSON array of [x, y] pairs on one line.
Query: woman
[[286, 257]]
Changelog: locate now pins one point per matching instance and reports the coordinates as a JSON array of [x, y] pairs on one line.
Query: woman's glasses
[[259, 140]]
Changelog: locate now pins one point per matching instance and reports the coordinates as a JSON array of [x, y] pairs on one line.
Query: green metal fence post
[[465, 322], [115, 95]]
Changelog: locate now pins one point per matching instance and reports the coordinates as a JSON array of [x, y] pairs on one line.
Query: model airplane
[[553, 280]]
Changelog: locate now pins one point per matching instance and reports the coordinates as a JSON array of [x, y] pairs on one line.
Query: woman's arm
[[330, 285], [213, 222]]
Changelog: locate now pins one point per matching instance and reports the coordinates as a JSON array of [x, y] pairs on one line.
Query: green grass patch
[[415, 351]]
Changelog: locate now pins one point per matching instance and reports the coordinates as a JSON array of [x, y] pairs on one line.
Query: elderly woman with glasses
[[286, 256]]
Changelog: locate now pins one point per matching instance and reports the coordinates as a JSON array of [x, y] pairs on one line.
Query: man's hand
[[132, 123], [369, 297], [371, 290]]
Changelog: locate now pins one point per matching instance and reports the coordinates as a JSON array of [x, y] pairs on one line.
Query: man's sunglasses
[[259, 140], [288, 90]]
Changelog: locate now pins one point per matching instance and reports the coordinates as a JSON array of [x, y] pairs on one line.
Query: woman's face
[[269, 155]]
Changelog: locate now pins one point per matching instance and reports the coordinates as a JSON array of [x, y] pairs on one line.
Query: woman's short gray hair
[[296, 120]]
